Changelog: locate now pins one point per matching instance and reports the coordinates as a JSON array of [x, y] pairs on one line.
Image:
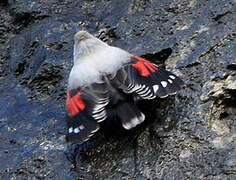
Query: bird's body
[[106, 83], [101, 64]]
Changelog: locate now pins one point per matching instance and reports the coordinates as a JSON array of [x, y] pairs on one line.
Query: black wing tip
[[80, 138], [80, 128], [169, 81]]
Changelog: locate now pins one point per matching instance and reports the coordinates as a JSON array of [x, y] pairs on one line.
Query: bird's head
[[85, 44], [82, 36]]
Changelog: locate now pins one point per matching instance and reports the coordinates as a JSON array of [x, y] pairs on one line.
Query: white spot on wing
[[170, 81], [171, 76], [164, 83], [155, 88], [81, 127], [76, 130], [70, 129]]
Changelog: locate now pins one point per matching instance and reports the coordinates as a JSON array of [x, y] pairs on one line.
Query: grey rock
[[194, 39]]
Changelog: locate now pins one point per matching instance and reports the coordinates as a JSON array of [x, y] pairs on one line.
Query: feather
[[107, 79]]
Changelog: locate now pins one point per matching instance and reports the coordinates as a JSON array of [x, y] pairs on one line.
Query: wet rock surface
[[196, 131]]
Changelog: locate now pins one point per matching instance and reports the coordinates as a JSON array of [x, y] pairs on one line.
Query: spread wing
[[85, 109], [147, 80], [87, 106]]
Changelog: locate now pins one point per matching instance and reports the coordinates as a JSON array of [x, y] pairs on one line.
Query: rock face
[[196, 130]]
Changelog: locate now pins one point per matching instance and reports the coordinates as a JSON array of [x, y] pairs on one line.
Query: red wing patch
[[143, 66], [74, 104]]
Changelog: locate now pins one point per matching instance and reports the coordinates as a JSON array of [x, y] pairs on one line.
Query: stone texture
[[196, 130]]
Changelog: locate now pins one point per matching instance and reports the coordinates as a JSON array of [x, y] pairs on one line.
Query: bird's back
[[104, 61]]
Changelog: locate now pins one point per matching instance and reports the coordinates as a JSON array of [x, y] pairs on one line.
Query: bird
[[107, 80]]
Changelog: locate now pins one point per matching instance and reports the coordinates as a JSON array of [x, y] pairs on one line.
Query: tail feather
[[129, 115]]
